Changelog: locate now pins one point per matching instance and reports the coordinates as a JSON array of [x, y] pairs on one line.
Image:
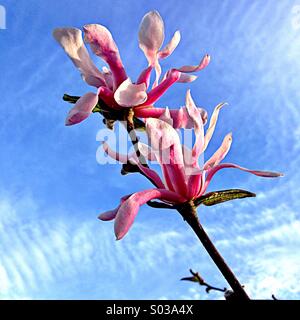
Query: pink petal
[[146, 151], [144, 77], [108, 98], [104, 46], [151, 174], [212, 125], [162, 136], [214, 170], [220, 154], [82, 109], [151, 38], [71, 41], [108, 215], [170, 47], [165, 141], [166, 116], [186, 78], [116, 155], [198, 126], [188, 158], [176, 179], [151, 35], [158, 91], [178, 118], [108, 78], [196, 181], [203, 63], [129, 209], [193, 172], [111, 214], [157, 73], [129, 94], [148, 112], [168, 180]]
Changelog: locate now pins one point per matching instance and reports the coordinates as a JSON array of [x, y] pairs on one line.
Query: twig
[[129, 118], [197, 278]]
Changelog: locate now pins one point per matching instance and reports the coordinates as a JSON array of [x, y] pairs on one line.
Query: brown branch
[[129, 118], [189, 214]]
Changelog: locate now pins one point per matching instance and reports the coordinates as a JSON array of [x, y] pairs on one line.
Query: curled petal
[[116, 155], [195, 115], [186, 78], [144, 77], [212, 125], [82, 108], [111, 214], [214, 170], [170, 47], [220, 154], [108, 215], [129, 94], [129, 209], [71, 41], [151, 35], [149, 173], [203, 64], [104, 46]]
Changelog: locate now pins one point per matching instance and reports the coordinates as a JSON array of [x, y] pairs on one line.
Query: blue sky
[[51, 188]]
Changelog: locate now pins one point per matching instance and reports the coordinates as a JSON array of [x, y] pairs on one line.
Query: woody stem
[[134, 139], [189, 214]]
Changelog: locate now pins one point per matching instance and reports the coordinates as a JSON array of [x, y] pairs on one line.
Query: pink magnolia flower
[[113, 85], [185, 177]]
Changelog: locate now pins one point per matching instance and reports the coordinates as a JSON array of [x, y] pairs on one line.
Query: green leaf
[[192, 279], [216, 197]]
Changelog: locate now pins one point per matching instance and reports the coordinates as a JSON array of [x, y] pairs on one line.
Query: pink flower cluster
[[113, 85], [185, 177]]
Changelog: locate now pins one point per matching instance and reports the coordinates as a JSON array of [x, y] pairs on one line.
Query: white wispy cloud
[[38, 254]]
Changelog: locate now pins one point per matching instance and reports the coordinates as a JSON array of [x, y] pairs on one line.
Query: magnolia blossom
[[185, 176], [113, 85]]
